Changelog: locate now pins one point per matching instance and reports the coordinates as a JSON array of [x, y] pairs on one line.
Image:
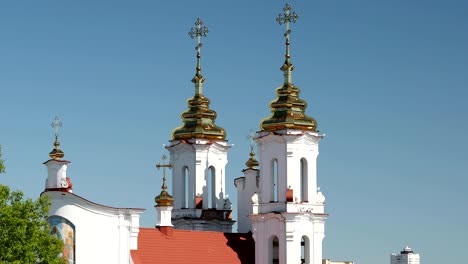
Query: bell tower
[[288, 216], [198, 153]]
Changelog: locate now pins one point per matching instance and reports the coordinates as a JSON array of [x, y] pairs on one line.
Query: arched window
[[304, 181], [185, 187], [274, 180], [305, 250], [274, 250], [211, 190]]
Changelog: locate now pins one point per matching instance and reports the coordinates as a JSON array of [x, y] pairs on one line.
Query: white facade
[[101, 234], [291, 229], [246, 187], [163, 215], [407, 256], [198, 174], [288, 220], [295, 153], [92, 233], [56, 174]]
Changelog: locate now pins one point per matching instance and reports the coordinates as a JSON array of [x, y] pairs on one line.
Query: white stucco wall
[[246, 186], [56, 174], [288, 147], [102, 234], [198, 155], [303, 215], [289, 228]]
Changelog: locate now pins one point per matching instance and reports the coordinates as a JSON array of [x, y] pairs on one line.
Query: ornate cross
[[287, 18], [252, 134], [164, 166], [56, 123], [199, 31]]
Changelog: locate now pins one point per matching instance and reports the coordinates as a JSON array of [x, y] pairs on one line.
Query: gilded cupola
[[164, 198], [56, 153], [198, 120], [252, 163], [288, 110]]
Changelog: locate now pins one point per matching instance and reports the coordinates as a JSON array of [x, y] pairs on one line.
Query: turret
[[56, 167], [247, 186]]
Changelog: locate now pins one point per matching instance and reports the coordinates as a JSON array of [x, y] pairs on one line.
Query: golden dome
[[164, 199], [288, 110], [252, 163], [56, 153], [198, 120]]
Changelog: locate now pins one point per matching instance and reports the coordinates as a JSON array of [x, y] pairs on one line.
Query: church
[[281, 211]]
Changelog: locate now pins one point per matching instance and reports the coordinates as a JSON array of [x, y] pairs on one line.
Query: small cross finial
[[286, 18], [252, 134], [199, 31], [252, 163], [164, 166], [56, 153], [56, 124]]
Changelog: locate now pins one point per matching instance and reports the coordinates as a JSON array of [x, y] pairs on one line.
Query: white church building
[[281, 212]]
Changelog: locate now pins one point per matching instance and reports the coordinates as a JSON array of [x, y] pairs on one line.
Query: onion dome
[[252, 163], [288, 110], [164, 198], [56, 153], [198, 120]]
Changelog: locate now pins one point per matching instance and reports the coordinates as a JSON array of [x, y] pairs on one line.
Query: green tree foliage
[[24, 232], [2, 166]]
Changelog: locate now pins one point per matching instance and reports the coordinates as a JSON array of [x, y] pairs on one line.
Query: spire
[[199, 119], [286, 19], [164, 198], [198, 32], [56, 153], [288, 110], [252, 163]]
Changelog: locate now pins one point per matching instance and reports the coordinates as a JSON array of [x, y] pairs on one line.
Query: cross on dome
[[56, 153], [286, 18], [199, 31], [288, 110], [198, 120], [164, 198], [56, 124], [252, 134], [252, 163]]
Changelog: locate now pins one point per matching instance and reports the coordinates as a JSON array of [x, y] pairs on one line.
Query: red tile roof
[[185, 246]]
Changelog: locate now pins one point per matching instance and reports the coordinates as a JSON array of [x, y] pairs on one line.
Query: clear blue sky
[[386, 80]]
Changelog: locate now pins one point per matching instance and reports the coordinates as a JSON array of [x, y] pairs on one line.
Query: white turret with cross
[[247, 187], [164, 201], [56, 167]]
